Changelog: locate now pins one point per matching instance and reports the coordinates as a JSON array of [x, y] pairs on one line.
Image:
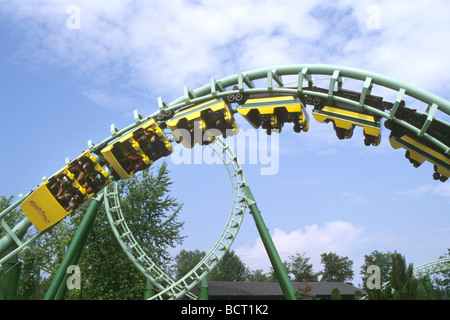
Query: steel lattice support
[[436, 112], [169, 288]]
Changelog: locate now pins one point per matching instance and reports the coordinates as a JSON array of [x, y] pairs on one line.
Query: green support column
[[203, 290], [56, 290], [76, 256], [9, 281], [149, 290], [277, 264], [10, 269]]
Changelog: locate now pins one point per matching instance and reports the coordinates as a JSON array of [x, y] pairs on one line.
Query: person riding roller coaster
[[72, 199], [61, 185], [277, 120], [67, 196], [94, 181], [196, 130], [133, 162], [219, 121], [82, 168], [151, 145], [86, 175]]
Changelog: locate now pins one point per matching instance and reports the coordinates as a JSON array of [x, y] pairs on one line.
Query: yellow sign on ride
[[58, 196], [42, 209]]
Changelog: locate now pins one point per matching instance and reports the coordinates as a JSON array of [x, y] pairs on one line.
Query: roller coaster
[[205, 116]]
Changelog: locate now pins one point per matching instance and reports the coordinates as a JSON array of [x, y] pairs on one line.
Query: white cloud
[[336, 236], [158, 47], [408, 43], [355, 198], [442, 190], [164, 45], [438, 189]]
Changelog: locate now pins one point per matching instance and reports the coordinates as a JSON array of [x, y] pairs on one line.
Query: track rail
[[306, 75], [169, 288], [432, 267], [264, 80], [425, 270]]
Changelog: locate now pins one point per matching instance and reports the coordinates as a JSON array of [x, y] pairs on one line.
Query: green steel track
[[255, 81], [167, 287], [425, 270]]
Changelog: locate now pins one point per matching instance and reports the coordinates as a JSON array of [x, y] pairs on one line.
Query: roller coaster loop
[[425, 134]]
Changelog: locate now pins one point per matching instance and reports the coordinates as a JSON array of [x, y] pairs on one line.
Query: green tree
[[336, 268], [152, 213], [384, 262], [106, 272], [258, 275], [12, 218], [424, 289], [393, 268], [273, 275], [335, 294], [12, 264], [303, 292], [401, 279], [358, 295], [185, 261], [404, 285], [380, 259], [152, 216], [42, 258], [441, 282], [230, 268], [300, 268]]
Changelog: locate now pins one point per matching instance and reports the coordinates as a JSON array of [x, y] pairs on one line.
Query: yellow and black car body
[[201, 123], [271, 111], [418, 149], [345, 116], [59, 195], [85, 176], [135, 152]]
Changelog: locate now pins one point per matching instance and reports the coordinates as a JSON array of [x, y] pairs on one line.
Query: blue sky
[[64, 81]]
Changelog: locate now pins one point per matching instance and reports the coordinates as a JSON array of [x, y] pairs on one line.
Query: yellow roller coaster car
[[203, 122], [137, 150], [344, 122], [417, 153], [345, 117], [58, 196], [272, 111], [419, 150]]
